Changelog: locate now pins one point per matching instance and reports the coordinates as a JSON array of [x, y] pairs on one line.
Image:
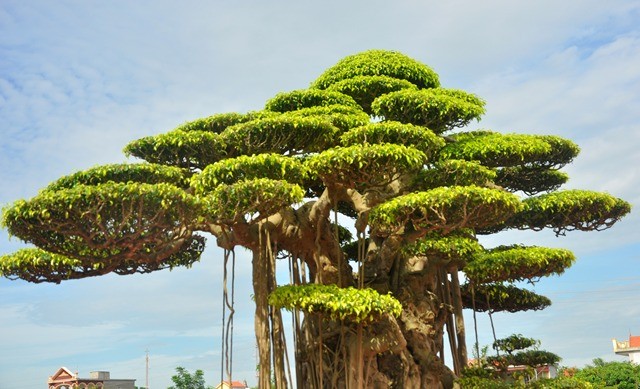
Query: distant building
[[65, 379], [233, 385], [630, 348]]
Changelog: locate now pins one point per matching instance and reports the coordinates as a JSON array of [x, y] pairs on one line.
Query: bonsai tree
[[366, 183], [520, 351]]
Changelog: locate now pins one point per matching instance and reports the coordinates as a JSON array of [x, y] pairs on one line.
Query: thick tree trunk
[[261, 320]]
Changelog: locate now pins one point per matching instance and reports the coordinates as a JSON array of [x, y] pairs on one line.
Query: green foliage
[[534, 358], [190, 150], [342, 116], [500, 298], [218, 123], [517, 263], [185, 380], [515, 342], [621, 375], [140, 172], [445, 208], [232, 170], [495, 150], [373, 165], [36, 265], [251, 200], [530, 180], [453, 172], [455, 247], [571, 210], [365, 89], [350, 304], [473, 382], [437, 109], [306, 98], [283, 134], [109, 222], [559, 383], [379, 63], [417, 137]]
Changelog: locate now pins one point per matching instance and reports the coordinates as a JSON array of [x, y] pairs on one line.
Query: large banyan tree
[[364, 186]]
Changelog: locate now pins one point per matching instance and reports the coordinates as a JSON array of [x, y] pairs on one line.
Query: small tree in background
[[185, 380], [375, 139]]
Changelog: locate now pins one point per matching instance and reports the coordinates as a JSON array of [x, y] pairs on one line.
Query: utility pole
[[147, 369]]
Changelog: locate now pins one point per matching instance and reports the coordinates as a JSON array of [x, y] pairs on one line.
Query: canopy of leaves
[[232, 170], [219, 122], [501, 298], [515, 342], [417, 137], [438, 109], [306, 98], [495, 150], [570, 210], [350, 304], [283, 134], [36, 265], [251, 200], [376, 165], [623, 375], [185, 380], [146, 173], [453, 172], [455, 247], [192, 150], [530, 180], [342, 116], [109, 222], [379, 63], [444, 208], [531, 358], [365, 89], [517, 263]]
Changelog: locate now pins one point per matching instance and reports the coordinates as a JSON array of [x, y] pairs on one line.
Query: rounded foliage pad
[[373, 165], [307, 98], [350, 304], [438, 109], [146, 173], [232, 170], [501, 298], [379, 63], [417, 137], [107, 222], [517, 263], [251, 200], [444, 208]]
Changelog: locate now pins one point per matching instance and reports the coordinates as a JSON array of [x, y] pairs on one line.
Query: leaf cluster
[[493, 149], [438, 109], [517, 263], [570, 210], [379, 63], [146, 173], [409, 135], [501, 298], [307, 98], [444, 208], [365, 89], [349, 304], [111, 221], [250, 200]]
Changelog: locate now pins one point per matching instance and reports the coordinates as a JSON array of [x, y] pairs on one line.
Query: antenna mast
[[147, 369]]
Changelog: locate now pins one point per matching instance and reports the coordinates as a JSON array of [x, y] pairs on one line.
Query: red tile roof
[[634, 341]]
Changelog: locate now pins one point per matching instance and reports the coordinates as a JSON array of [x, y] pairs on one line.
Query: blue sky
[[80, 79]]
